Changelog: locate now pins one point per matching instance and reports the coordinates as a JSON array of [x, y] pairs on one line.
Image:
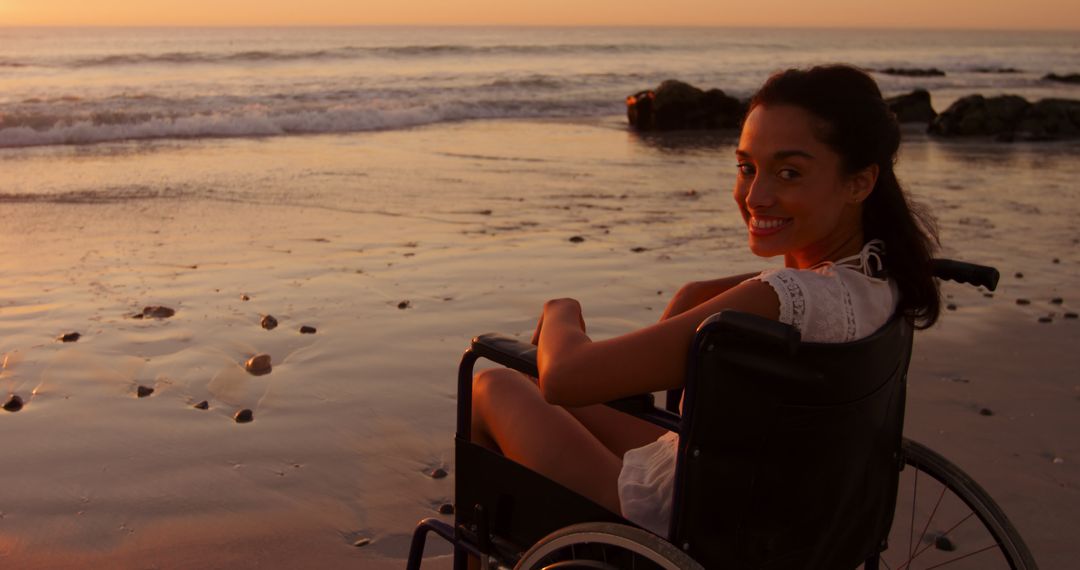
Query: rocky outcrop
[[677, 105], [1070, 78], [913, 107], [1009, 117], [913, 71]]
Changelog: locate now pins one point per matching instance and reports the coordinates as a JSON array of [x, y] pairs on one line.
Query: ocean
[[74, 86]]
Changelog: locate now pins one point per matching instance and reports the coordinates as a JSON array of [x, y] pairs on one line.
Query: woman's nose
[[758, 193]]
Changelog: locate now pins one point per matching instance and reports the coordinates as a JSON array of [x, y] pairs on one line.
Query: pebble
[[988, 295], [258, 364], [144, 391], [1056, 260], [1023, 301], [244, 416], [404, 304], [576, 239], [1057, 301], [203, 405], [1058, 461], [437, 473], [69, 337], [951, 306], [14, 403], [1046, 319], [1071, 315], [307, 330], [943, 543], [638, 249], [1019, 275], [245, 298], [268, 322], [446, 509], [158, 312], [361, 542], [986, 412]]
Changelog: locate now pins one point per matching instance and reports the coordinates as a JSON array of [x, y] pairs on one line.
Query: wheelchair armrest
[[507, 351]]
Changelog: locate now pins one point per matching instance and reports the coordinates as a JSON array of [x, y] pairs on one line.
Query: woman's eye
[[788, 174], [745, 169]]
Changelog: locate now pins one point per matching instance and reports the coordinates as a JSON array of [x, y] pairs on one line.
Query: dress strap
[[868, 260]]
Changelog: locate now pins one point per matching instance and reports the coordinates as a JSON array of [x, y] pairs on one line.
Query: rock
[[988, 295], [446, 509], [268, 322], [404, 304], [942, 542], [1046, 319], [1050, 119], [143, 391], [1057, 301], [158, 312], [244, 416], [258, 364], [1058, 461], [1023, 302], [203, 405], [976, 115], [913, 107], [437, 473], [69, 337], [1070, 78], [638, 249], [986, 412], [1019, 275], [307, 330], [245, 298], [576, 239], [1070, 315], [913, 71], [679, 105], [360, 542], [951, 306], [14, 403], [1055, 260], [995, 70], [137, 316]]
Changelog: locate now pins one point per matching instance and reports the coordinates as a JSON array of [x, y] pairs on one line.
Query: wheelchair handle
[[961, 272]]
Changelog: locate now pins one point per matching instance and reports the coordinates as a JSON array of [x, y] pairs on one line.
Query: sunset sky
[[1033, 14]]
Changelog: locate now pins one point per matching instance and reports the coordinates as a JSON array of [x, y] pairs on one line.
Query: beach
[[397, 245]]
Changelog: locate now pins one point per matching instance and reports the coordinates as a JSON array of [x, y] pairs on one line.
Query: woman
[[816, 185]]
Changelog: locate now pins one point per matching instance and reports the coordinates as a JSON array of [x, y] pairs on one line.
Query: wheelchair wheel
[[604, 546], [944, 519]]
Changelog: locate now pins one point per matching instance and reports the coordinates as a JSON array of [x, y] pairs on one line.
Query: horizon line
[[520, 25]]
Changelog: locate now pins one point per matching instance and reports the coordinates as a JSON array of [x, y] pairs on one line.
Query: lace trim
[[849, 312], [793, 303]]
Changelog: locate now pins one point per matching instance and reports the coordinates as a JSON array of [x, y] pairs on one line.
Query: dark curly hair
[[860, 127]]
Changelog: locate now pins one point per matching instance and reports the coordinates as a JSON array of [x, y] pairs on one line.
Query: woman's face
[[792, 190]]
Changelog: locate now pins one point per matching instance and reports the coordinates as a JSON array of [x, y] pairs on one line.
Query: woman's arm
[[697, 292], [575, 371]]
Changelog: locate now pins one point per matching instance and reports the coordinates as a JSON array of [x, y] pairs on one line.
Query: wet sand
[[470, 224]]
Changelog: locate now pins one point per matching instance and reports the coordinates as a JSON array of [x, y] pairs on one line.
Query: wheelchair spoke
[[911, 531], [984, 549], [944, 534]]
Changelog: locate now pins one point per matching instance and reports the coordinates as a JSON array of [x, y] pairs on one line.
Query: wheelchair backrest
[[789, 453]]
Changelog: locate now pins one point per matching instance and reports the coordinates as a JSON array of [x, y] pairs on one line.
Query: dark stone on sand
[[1023, 301], [942, 542], [988, 295], [1019, 275], [268, 322], [1046, 319], [446, 509], [258, 364], [137, 316], [404, 304], [1070, 78], [307, 330], [1055, 260], [245, 298], [361, 542], [677, 105], [244, 416], [951, 306], [1071, 315], [437, 473], [913, 71], [638, 249], [913, 107], [143, 391], [1057, 301], [203, 405], [986, 412], [158, 312], [69, 337], [576, 239], [14, 403]]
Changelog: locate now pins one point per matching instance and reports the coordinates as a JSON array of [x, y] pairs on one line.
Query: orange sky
[[1032, 14]]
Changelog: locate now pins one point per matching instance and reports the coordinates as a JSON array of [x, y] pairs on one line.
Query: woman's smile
[[767, 225]]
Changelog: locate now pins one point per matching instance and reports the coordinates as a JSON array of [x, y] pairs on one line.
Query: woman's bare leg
[[509, 412]]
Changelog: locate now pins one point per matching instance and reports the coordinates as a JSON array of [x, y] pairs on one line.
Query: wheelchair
[[790, 455]]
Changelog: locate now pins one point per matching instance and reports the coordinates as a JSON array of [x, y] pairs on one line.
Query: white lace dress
[[831, 302]]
